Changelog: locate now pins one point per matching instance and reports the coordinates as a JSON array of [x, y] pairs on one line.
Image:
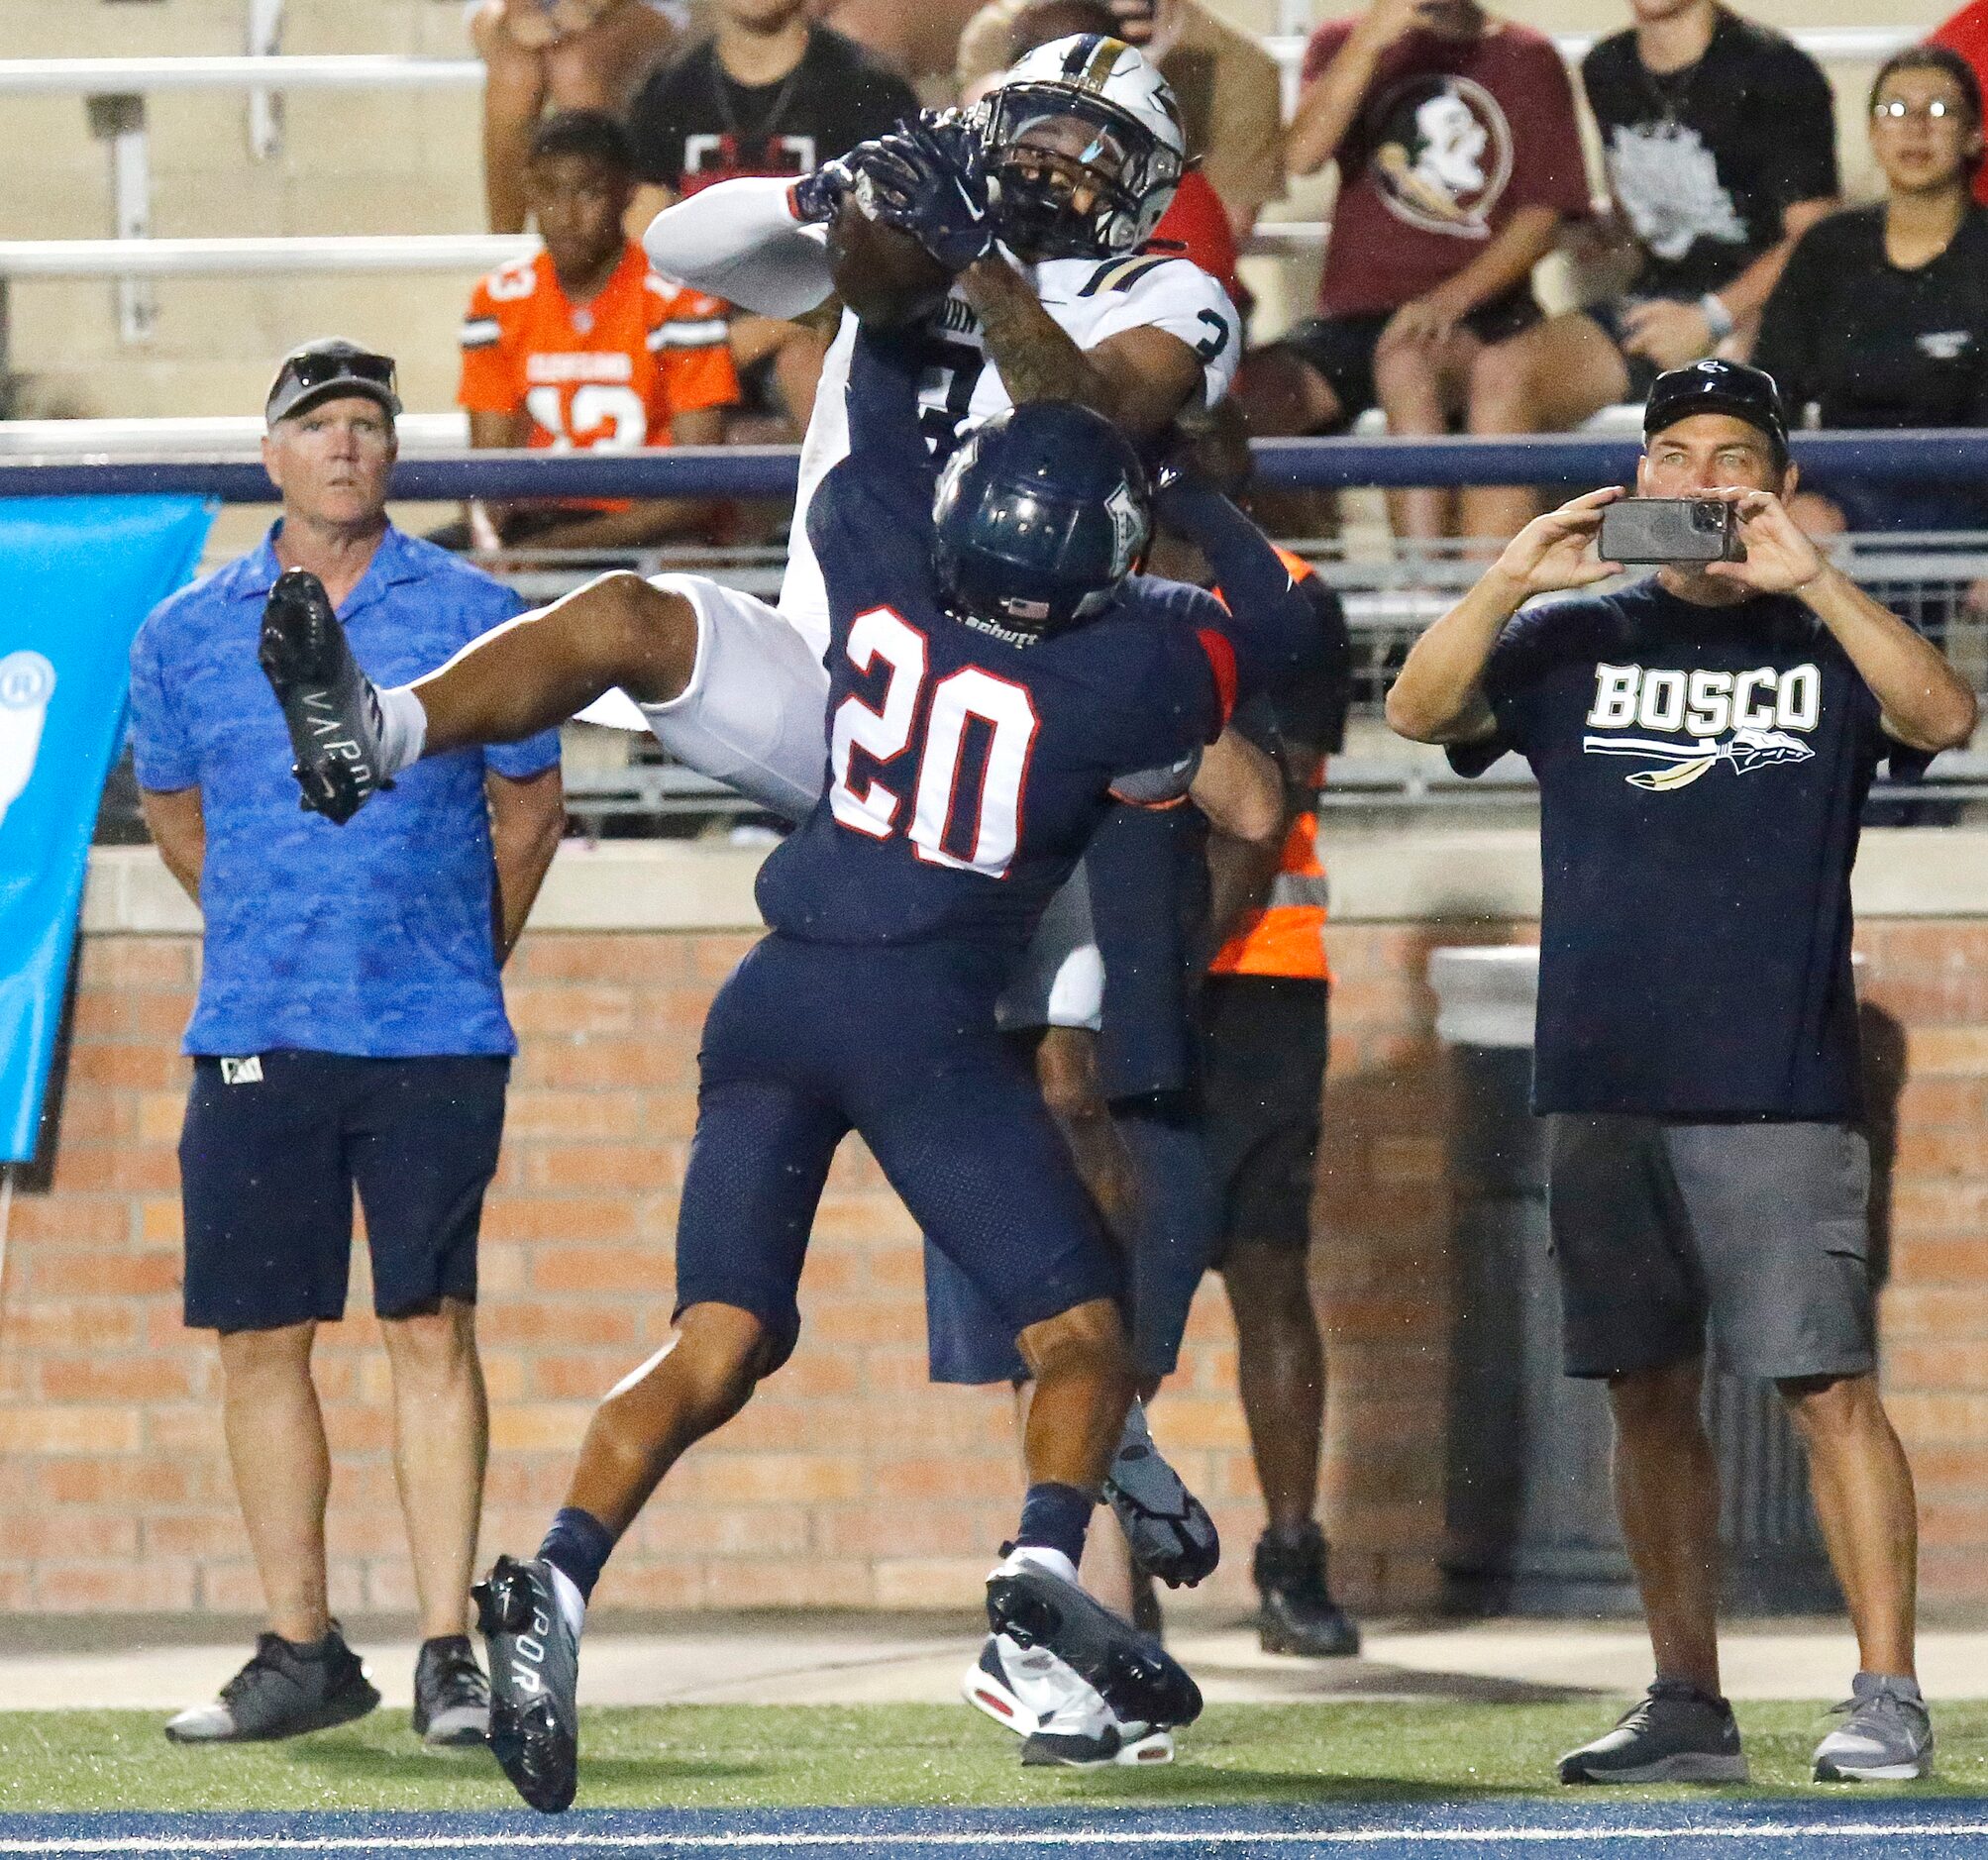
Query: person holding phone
[[1703, 740]]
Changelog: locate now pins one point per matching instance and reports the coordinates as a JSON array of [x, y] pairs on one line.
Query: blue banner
[[77, 575]]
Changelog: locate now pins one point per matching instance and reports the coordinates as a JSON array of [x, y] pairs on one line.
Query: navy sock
[[577, 1546], [1055, 1517]]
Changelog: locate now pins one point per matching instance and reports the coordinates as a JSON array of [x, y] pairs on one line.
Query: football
[[882, 273]]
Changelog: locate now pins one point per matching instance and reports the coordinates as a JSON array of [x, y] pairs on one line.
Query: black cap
[[1717, 386], [327, 369]]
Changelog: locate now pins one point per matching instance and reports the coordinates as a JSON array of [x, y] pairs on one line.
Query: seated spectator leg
[[441, 1440], [276, 1449], [1280, 1367], [1547, 378], [1419, 385], [514, 98], [602, 67], [1282, 396], [542, 668]]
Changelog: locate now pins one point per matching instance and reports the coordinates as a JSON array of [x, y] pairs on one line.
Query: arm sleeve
[[1549, 169], [489, 383], [1803, 157], [162, 756], [1270, 625], [740, 240], [1786, 346], [691, 339]]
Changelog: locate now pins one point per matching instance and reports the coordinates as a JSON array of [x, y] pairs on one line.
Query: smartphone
[[1670, 528]]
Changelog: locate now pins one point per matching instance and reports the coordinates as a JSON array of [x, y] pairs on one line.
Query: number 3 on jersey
[[970, 695]]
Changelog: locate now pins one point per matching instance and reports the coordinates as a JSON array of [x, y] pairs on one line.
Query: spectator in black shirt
[[769, 92], [1881, 318], [1719, 137], [1704, 741]]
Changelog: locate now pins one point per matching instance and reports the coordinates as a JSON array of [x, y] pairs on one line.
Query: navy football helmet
[[1040, 514]]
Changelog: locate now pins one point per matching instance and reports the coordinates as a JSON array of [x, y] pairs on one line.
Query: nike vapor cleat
[[1137, 1678], [282, 1691], [534, 1677], [329, 703], [1061, 1719], [1886, 1735], [452, 1698], [1168, 1528], [1674, 1734], [1297, 1613]]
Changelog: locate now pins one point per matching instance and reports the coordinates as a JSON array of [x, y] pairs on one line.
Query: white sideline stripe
[[1003, 1836]]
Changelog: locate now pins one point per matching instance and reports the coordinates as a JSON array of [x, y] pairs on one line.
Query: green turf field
[[793, 1756]]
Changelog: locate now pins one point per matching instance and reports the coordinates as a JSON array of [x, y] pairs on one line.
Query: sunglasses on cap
[[304, 376]]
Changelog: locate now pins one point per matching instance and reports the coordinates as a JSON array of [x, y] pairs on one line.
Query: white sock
[[572, 1603], [403, 728], [1044, 1558]]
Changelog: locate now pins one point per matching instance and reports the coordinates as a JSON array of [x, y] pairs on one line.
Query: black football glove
[[928, 179], [817, 197]]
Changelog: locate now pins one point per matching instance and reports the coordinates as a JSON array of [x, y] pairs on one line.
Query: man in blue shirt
[[350, 1030], [1704, 741]]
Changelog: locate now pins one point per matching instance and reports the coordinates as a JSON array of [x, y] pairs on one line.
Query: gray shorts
[[1761, 1228]]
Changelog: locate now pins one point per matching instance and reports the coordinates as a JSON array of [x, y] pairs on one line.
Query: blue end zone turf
[[1831, 1828]]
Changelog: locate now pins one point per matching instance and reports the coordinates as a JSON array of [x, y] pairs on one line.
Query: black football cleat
[[1136, 1676], [1168, 1528], [1297, 1613], [328, 702], [534, 1677]]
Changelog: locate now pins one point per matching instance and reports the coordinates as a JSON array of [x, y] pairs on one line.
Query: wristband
[[1718, 319]]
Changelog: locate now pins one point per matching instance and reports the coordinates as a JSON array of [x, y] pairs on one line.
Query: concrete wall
[[849, 1481]]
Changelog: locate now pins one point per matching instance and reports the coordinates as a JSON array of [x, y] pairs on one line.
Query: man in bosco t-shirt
[[1704, 741], [583, 347]]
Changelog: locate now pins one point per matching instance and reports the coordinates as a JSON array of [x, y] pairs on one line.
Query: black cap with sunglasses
[[329, 368]]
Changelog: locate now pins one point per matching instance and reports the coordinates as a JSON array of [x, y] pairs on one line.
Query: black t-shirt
[[692, 125], [1870, 344], [1702, 774], [1705, 161]]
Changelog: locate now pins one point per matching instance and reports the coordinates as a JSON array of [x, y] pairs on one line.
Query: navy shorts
[[272, 1148], [809, 1041], [1262, 1083]]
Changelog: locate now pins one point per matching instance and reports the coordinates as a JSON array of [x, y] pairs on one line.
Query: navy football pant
[[808, 1041]]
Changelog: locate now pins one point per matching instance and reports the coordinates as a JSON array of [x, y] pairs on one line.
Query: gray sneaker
[[1675, 1735], [284, 1691], [1886, 1735]]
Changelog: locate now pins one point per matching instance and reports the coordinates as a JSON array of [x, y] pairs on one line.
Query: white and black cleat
[[1168, 1529], [534, 1661], [329, 704], [1134, 1675]]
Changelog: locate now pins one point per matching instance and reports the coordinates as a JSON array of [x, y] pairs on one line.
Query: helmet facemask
[[1077, 177]]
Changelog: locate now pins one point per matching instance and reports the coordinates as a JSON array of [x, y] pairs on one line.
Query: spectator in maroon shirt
[[1459, 159]]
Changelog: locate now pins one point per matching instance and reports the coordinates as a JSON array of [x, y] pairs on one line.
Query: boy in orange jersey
[[583, 347]]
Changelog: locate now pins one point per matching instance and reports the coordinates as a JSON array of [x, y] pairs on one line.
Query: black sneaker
[[1135, 1675], [329, 703], [1674, 1734], [534, 1677], [1297, 1613], [1168, 1528], [284, 1691], [452, 1698]]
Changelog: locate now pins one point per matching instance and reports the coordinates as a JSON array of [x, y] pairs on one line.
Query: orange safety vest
[[1287, 937]]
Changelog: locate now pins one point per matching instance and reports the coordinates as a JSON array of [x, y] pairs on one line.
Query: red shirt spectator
[[1453, 136], [1198, 222], [1967, 34]]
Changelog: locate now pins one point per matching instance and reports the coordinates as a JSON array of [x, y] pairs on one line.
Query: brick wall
[[849, 1479]]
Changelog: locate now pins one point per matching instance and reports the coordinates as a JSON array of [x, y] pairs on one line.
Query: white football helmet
[[1081, 116]]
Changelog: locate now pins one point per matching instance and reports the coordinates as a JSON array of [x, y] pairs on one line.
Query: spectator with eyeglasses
[[1881, 317]]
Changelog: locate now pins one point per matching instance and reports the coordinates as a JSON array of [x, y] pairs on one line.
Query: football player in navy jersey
[[1704, 741], [996, 678]]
